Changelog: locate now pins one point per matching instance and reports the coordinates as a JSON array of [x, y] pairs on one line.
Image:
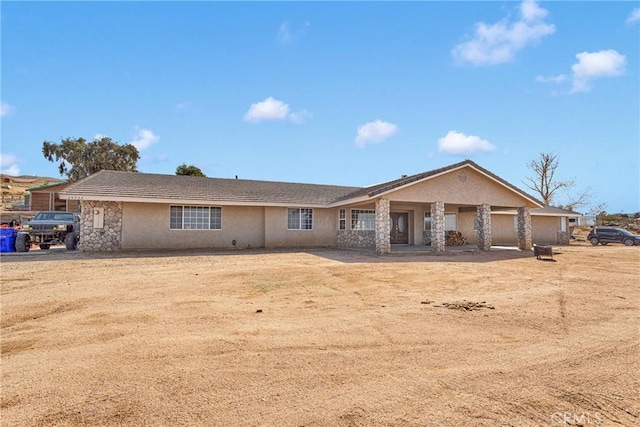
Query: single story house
[[129, 211]]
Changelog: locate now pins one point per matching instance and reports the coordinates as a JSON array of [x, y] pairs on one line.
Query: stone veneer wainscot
[[356, 239], [109, 237]]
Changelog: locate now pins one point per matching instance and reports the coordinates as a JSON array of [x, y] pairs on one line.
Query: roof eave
[[208, 202]]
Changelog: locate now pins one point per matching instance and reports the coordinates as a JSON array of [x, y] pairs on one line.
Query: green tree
[[190, 170], [78, 158]]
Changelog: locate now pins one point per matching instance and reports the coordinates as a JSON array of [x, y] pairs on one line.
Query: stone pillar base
[[484, 227], [524, 229], [437, 226], [383, 232]]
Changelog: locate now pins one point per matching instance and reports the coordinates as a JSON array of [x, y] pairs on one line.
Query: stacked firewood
[[454, 238]]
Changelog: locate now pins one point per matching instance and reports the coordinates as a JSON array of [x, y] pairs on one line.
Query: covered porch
[[425, 225]]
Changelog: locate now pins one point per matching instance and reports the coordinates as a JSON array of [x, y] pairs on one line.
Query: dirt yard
[[321, 338]]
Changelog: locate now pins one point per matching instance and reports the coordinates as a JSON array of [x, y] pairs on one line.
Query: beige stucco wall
[[325, 227], [466, 227], [146, 226], [463, 187], [503, 230], [544, 230]]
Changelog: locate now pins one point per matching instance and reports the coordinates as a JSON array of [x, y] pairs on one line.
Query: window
[[215, 219], [427, 221], [342, 219], [450, 221], [363, 219], [300, 219], [175, 218], [195, 218], [515, 223]]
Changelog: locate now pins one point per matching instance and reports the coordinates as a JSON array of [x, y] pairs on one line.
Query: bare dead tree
[[577, 200], [598, 210], [543, 181]]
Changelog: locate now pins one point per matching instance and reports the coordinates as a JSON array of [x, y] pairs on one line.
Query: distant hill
[[14, 189]]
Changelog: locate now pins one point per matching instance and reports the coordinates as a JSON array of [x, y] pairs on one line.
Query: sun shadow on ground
[[403, 254]]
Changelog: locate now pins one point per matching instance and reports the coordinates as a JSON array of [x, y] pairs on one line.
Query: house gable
[[465, 185]]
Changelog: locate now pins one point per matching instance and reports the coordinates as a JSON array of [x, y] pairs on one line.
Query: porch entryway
[[399, 226]]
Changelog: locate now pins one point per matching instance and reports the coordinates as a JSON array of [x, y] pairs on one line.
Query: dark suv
[[604, 235]]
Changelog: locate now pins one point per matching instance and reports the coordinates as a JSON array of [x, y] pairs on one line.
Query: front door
[[399, 222]]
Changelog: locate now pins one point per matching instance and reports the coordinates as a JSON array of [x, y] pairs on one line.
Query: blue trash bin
[[8, 239]]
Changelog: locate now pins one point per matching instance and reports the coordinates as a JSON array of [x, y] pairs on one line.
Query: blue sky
[[348, 93]]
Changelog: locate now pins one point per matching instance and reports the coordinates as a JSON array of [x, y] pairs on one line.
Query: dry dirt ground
[[321, 338]]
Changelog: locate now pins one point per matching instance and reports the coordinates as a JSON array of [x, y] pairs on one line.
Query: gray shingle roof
[[552, 210], [118, 185], [115, 185]]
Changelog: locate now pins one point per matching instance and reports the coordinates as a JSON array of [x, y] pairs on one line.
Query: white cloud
[[9, 164], [376, 131], [634, 16], [457, 143], [144, 139], [498, 43], [183, 105], [552, 79], [590, 66], [274, 109], [530, 11], [269, 109], [6, 109], [594, 65]]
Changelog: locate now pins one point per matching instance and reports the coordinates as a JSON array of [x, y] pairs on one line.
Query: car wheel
[[44, 246], [71, 241], [628, 242], [22, 243], [594, 241]]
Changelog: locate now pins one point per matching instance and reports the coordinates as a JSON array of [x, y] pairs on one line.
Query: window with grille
[[300, 219], [362, 219], [342, 219], [195, 218], [450, 221], [427, 221]]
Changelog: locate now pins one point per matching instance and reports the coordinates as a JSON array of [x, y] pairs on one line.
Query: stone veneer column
[[484, 227], [437, 226], [383, 231], [107, 238], [524, 228], [564, 238]]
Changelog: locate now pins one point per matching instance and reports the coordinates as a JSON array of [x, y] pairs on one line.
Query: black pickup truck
[[50, 228]]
